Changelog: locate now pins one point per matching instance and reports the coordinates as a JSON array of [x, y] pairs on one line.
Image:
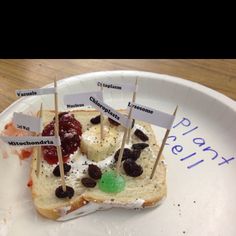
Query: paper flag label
[[152, 116], [34, 92], [26, 122], [80, 99], [109, 111], [125, 87], [31, 140]]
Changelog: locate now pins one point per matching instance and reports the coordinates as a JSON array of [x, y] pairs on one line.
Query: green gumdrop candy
[[111, 182]]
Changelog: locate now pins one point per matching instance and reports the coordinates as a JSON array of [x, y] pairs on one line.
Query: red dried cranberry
[[61, 114], [56, 170], [68, 121], [94, 171], [126, 154], [49, 129], [89, 183], [50, 155], [139, 133], [70, 143], [68, 193], [69, 131], [131, 168], [140, 146], [96, 120], [113, 122]]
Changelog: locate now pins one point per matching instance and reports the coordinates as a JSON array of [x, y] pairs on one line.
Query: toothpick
[[133, 101], [123, 143], [161, 148], [102, 119], [39, 153], [59, 154]]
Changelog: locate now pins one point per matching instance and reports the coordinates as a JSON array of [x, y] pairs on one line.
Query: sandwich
[[90, 161]]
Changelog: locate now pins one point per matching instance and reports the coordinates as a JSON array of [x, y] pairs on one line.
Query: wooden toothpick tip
[[133, 101], [41, 110], [59, 154], [162, 147], [102, 119], [39, 147], [177, 107], [118, 164]]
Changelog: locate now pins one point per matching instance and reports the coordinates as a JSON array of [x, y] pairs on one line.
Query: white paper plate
[[201, 198]]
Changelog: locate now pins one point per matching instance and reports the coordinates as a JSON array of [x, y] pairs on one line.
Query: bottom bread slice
[[139, 192]]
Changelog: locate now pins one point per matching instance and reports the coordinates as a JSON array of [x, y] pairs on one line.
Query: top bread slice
[[149, 191]]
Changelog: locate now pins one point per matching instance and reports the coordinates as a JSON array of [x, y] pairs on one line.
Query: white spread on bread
[[63, 210], [138, 203], [92, 207], [79, 164], [84, 210]]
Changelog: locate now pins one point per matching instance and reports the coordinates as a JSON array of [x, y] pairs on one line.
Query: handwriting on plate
[[199, 142]]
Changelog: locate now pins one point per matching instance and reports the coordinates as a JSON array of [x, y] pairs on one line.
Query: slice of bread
[[139, 192]]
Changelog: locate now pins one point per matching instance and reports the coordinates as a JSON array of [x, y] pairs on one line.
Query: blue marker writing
[[195, 164], [191, 155], [177, 149], [226, 160], [173, 139], [199, 141], [185, 122], [211, 150], [190, 130]]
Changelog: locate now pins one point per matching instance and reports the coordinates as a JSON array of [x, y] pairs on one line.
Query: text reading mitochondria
[[31, 143]]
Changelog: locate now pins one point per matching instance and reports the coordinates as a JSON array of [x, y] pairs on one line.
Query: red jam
[[70, 131], [25, 153], [30, 183], [11, 130]]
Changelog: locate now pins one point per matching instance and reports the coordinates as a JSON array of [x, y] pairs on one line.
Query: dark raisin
[[131, 168], [56, 170], [89, 183], [139, 133], [68, 193], [113, 122], [67, 167], [96, 120], [94, 171], [140, 146], [126, 154], [135, 154]]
